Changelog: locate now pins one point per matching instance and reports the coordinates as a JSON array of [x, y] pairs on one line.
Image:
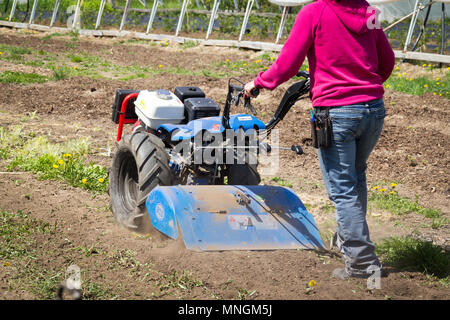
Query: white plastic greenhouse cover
[[390, 9], [396, 9], [290, 3]]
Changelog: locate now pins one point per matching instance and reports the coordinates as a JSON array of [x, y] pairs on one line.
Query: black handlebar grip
[[255, 92], [297, 149]]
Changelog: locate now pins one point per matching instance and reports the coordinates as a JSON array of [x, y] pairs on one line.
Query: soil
[[413, 151]]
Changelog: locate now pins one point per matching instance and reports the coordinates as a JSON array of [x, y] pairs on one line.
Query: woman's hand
[[248, 89]]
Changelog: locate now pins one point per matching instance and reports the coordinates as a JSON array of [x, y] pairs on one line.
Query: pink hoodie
[[348, 61]]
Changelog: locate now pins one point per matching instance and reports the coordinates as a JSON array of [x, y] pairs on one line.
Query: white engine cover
[[159, 107]]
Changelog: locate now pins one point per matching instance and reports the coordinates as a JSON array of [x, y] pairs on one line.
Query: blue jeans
[[356, 129]]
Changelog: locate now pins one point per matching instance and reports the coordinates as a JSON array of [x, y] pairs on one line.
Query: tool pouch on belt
[[321, 128]]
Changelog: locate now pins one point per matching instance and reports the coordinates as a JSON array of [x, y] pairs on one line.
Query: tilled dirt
[[413, 151]]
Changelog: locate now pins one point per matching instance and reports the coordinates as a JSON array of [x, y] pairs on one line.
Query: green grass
[[175, 280], [18, 235], [282, 182], [21, 78], [75, 58], [24, 244], [412, 254], [55, 34], [419, 86], [15, 229], [390, 200], [190, 44], [52, 161]]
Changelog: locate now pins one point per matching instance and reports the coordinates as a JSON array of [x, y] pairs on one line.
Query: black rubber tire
[[243, 174], [139, 164]]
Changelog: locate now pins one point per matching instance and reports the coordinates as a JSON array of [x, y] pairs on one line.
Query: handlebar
[[294, 93]]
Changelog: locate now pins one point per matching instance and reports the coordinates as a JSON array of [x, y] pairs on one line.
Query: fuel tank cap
[[163, 94]]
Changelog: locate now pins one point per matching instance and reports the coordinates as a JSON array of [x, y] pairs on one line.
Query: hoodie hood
[[354, 14]]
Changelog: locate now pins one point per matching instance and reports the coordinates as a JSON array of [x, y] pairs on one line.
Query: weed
[[282, 182], [418, 86], [243, 294], [390, 200], [60, 73], [94, 291], [176, 280], [29, 116], [190, 44], [49, 36], [53, 161], [439, 222], [412, 254], [328, 208], [75, 58]]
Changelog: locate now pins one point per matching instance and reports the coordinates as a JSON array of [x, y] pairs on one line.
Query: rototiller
[[194, 171]]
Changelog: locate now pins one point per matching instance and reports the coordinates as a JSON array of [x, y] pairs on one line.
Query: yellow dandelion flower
[[424, 65], [84, 181], [437, 79], [60, 161], [446, 92], [258, 61], [440, 94], [1, 53], [398, 68], [404, 73], [437, 83], [272, 58], [234, 66], [399, 75], [312, 283], [376, 187], [67, 155], [75, 67], [307, 69], [382, 190], [434, 93], [101, 180], [228, 60], [425, 86], [429, 65], [393, 185], [6, 264], [388, 86], [55, 166], [391, 192], [160, 66], [245, 64]]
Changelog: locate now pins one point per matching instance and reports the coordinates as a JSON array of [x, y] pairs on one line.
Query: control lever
[[248, 105], [296, 148]]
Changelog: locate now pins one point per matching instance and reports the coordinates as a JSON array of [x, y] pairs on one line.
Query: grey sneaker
[[342, 274]]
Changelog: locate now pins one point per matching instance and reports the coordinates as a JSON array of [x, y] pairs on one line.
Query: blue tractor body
[[212, 125], [212, 218]]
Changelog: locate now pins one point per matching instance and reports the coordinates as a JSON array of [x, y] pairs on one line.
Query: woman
[[349, 58]]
